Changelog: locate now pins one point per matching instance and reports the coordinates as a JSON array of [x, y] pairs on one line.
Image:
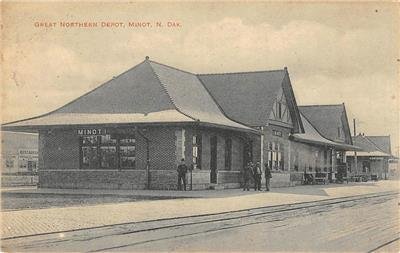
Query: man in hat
[[182, 169], [257, 176], [268, 177]]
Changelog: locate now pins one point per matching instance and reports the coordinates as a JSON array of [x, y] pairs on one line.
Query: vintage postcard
[[234, 126]]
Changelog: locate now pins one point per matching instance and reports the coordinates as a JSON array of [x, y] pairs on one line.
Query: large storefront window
[[108, 152], [127, 153], [89, 149]]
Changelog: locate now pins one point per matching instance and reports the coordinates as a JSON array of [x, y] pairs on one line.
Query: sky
[[335, 52]]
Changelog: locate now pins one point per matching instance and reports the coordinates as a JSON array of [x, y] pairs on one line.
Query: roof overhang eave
[[227, 127], [37, 128], [339, 146]]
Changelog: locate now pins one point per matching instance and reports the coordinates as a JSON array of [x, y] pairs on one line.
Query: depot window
[[108, 152], [275, 156], [196, 151]]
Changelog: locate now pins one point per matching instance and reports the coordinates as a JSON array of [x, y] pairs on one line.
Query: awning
[[371, 154]]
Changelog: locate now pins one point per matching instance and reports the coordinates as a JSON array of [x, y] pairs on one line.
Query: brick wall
[[237, 154], [60, 149], [59, 157], [229, 176], [220, 153], [201, 179], [280, 180], [41, 150], [140, 162], [164, 179], [93, 179], [162, 148]]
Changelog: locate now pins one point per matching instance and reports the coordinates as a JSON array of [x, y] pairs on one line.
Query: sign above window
[[277, 133], [92, 131]]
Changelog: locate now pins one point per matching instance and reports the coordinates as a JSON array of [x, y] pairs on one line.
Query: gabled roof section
[[247, 97], [312, 136], [369, 148], [147, 93], [326, 119], [382, 142]]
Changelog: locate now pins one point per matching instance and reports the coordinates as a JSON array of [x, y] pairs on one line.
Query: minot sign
[[91, 131]]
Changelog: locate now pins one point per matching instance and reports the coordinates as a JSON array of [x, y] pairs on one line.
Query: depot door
[[247, 152], [213, 159]]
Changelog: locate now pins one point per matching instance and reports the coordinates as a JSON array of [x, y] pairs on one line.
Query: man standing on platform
[[268, 177], [257, 176], [182, 169]]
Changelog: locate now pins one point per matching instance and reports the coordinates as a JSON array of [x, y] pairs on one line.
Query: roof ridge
[[293, 98], [319, 105], [378, 135], [241, 72], [166, 91], [165, 65]]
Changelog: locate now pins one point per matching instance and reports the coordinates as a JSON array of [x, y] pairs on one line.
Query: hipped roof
[[246, 96], [147, 93]]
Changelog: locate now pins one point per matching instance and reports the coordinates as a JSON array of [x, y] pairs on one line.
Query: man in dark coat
[[268, 177], [247, 170], [182, 169], [257, 176]]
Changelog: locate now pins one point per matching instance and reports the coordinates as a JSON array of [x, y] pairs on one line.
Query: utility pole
[[355, 152]]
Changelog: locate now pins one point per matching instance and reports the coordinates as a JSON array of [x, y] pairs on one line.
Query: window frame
[[97, 148], [197, 145]]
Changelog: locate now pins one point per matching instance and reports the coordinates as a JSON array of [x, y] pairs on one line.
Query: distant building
[[132, 131], [19, 152], [373, 160]]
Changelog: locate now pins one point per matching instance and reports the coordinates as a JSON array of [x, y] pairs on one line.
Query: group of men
[[250, 170], [255, 171]]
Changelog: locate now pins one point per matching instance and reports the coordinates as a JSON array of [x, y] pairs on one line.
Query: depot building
[[132, 131]]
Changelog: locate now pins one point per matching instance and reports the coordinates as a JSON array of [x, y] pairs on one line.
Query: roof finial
[[285, 68], [147, 57]]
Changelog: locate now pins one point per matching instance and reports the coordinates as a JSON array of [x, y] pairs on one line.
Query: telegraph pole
[[355, 152]]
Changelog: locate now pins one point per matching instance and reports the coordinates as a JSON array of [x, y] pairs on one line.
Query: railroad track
[[141, 232]]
